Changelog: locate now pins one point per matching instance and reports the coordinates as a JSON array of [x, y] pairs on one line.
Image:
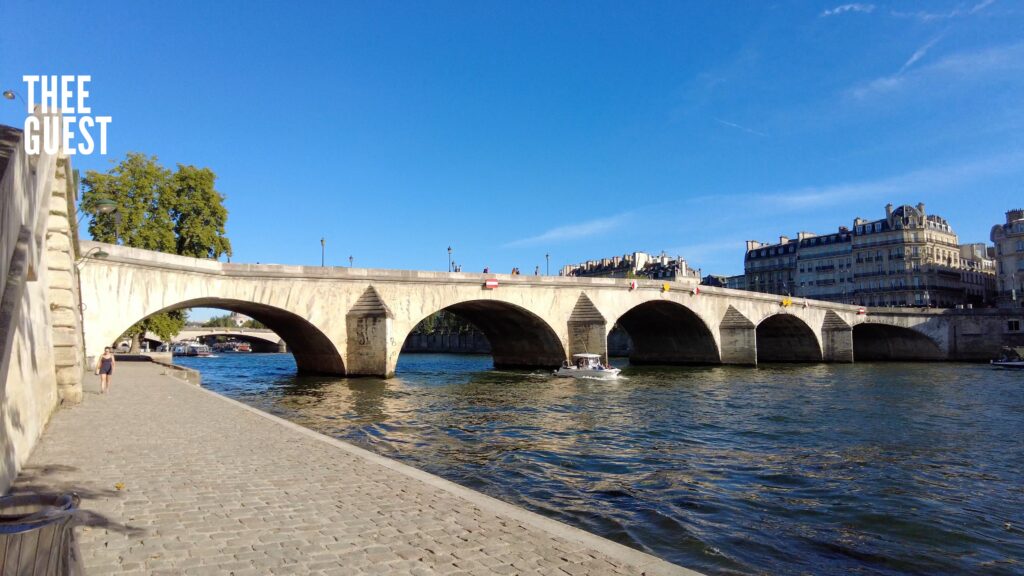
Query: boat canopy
[[587, 355]]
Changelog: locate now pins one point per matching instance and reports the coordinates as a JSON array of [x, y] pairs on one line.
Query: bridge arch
[[313, 350], [518, 337], [873, 341], [667, 332], [786, 338]]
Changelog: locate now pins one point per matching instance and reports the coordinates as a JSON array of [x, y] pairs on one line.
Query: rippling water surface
[[823, 469]]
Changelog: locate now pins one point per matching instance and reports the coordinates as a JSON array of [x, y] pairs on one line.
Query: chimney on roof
[[783, 239], [753, 245], [888, 211]]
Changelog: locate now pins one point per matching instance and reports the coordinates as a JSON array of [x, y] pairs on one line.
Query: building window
[[1013, 325]]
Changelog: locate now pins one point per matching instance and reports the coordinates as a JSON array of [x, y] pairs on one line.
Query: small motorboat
[[587, 366], [1010, 358]]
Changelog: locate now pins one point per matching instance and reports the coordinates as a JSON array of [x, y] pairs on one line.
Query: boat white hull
[[606, 374], [1008, 364]]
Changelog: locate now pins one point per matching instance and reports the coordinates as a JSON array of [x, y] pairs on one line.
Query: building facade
[[771, 267], [978, 273], [824, 266], [1008, 239], [635, 265], [907, 258]]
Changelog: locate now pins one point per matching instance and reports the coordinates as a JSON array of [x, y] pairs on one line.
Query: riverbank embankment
[[177, 479]]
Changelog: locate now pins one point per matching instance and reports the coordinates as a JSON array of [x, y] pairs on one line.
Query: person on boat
[[104, 368]]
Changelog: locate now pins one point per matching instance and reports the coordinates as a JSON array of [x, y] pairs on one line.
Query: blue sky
[[513, 129]]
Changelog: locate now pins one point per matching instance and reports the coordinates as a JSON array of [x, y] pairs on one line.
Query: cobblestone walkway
[[178, 480]]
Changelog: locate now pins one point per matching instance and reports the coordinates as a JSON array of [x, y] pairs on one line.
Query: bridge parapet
[[355, 321]]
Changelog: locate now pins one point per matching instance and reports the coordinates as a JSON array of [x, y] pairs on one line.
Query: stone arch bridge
[[354, 321]]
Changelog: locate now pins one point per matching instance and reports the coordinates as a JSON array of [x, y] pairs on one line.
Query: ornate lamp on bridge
[[322, 244], [449, 258], [547, 264]]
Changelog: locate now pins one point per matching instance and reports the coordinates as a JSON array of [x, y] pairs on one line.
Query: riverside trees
[[177, 212]]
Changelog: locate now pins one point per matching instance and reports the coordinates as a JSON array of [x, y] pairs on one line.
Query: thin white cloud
[[855, 7], [738, 127], [927, 180], [695, 254], [949, 71], [981, 6], [955, 13], [918, 54], [573, 231]]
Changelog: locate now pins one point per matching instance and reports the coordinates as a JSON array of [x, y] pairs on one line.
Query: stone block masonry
[[175, 479]]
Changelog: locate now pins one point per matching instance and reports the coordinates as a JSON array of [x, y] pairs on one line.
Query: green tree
[[165, 325], [224, 321], [179, 213], [140, 187], [199, 214]]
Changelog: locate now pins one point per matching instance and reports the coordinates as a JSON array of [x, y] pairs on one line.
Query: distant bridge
[[354, 321], [264, 338]]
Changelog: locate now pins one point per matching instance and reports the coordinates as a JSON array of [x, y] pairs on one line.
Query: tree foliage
[[224, 321], [140, 187], [199, 214], [444, 322], [227, 321], [179, 212], [166, 324]]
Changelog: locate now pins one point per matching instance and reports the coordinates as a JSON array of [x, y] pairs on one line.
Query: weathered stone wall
[[40, 339]]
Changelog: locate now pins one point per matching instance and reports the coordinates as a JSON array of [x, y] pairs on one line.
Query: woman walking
[[105, 367]]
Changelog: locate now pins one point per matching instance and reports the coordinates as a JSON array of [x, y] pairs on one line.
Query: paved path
[[176, 479]]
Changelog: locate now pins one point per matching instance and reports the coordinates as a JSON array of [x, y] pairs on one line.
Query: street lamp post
[[449, 258], [323, 244], [101, 206], [547, 264], [11, 94], [350, 261]]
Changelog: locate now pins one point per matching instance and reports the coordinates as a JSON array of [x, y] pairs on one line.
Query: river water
[[817, 469]]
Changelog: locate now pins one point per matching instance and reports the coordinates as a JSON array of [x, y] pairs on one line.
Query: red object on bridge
[[862, 310], [490, 284]]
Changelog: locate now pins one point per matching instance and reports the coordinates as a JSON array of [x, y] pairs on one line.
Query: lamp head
[[9, 94], [105, 206], [100, 254]]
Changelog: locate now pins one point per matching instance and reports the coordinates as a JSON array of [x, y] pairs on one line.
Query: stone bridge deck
[[213, 487]]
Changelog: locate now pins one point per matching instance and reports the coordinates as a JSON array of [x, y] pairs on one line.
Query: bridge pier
[[739, 339], [588, 330], [369, 330], [836, 339]]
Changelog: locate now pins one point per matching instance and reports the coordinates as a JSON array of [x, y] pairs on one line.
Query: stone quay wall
[[41, 342]]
